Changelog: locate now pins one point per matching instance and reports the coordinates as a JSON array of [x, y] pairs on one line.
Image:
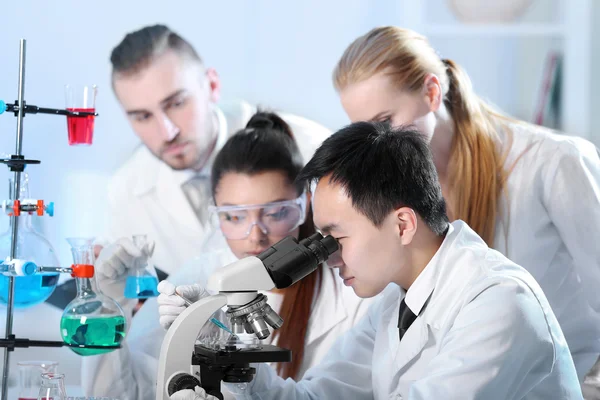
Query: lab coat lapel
[[417, 336], [328, 310], [412, 342]]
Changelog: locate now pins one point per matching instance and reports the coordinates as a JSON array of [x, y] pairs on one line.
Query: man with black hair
[[456, 319]]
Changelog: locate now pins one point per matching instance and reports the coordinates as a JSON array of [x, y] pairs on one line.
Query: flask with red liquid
[[53, 387], [30, 377]]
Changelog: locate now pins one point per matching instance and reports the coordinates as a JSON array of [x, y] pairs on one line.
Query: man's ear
[[406, 220], [214, 84]]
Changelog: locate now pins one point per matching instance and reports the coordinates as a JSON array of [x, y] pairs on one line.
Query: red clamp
[[40, 207], [82, 271]]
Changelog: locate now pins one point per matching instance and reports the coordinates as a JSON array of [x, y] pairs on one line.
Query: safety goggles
[[277, 218]]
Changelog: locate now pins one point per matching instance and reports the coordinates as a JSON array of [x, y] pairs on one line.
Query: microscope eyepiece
[[288, 260], [322, 247]]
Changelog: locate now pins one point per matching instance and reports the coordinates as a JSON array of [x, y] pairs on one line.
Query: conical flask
[[53, 387], [92, 323], [31, 246], [141, 280]]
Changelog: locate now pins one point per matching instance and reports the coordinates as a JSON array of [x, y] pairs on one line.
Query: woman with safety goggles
[[276, 219]]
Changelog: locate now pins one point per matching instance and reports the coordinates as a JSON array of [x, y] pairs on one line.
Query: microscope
[[237, 286]]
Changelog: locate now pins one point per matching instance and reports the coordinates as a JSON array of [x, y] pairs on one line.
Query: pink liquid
[[81, 129], [32, 398]]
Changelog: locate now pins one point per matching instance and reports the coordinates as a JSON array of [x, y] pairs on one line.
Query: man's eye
[[177, 102], [141, 117]]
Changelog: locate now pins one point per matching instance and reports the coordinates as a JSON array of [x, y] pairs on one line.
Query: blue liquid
[[141, 287], [29, 290]]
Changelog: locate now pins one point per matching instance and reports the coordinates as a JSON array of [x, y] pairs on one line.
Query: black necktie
[[405, 318]]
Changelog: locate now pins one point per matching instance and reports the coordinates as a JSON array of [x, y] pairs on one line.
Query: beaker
[[141, 280], [53, 387], [31, 246], [92, 323], [30, 377], [81, 128]]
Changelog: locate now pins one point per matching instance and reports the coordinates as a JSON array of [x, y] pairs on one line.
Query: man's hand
[[113, 264]]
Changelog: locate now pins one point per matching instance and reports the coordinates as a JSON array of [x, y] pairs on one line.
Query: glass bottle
[[141, 280], [53, 387], [30, 377], [31, 246], [92, 323]]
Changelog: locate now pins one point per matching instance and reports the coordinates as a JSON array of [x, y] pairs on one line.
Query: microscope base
[[227, 366]]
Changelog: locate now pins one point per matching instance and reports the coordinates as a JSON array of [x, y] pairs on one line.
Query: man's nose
[[167, 128]]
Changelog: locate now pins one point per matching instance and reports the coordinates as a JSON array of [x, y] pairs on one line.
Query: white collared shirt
[[421, 289]]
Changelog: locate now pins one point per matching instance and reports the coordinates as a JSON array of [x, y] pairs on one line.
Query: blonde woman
[[530, 193]]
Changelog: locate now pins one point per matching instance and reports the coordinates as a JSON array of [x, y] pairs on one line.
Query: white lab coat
[[549, 226], [145, 195], [485, 331], [130, 373]]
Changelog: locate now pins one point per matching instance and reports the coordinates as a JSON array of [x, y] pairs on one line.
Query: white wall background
[[276, 54]]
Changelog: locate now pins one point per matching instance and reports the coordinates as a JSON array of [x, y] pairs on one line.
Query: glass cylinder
[[81, 98], [30, 377], [53, 387], [92, 323], [31, 246]]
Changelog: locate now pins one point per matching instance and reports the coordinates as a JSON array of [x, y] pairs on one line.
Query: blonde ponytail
[[476, 166]]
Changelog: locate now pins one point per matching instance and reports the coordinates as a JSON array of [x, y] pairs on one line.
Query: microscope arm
[[178, 344], [243, 275]]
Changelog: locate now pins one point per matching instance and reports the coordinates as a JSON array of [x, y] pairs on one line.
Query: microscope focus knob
[[182, 381]]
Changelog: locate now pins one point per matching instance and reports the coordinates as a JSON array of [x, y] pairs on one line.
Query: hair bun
[[269, 120]]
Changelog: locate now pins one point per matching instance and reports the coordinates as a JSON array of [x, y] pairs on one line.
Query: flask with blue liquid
[[141, 281], [33, 247]]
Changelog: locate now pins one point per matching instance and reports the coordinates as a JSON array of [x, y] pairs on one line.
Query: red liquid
[[81, 129], [28, 398]]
